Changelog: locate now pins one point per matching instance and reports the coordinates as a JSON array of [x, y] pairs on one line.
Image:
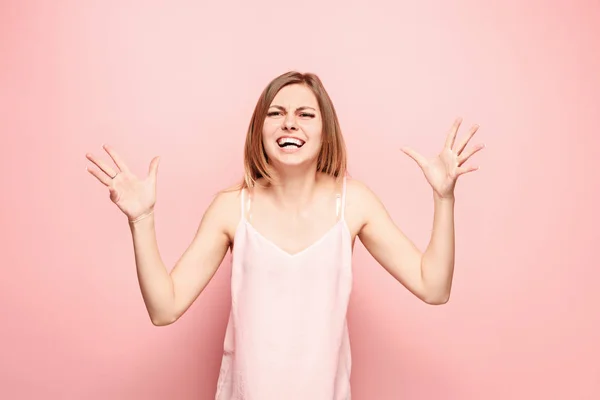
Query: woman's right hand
[[135, 197]]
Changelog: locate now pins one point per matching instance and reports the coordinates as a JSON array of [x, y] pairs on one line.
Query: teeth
[[290, 141]]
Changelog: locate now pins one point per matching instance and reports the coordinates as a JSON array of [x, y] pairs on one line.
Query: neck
[[294, 188]]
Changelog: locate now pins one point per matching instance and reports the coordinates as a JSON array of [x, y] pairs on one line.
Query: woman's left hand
[[443, 170]]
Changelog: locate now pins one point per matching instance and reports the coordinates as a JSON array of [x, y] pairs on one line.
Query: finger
[[466, 155], [153, 170], [100, 164], [114, 194], [465, 170], [100, 176], [116, 158], [452, 134], [419, 159], [465, 141]]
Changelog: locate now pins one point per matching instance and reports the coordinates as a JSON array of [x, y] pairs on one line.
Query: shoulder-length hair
[[332, 158]]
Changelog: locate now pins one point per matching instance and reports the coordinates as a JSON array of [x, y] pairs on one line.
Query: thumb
[[114, 195], [418, 158], [153, 170]]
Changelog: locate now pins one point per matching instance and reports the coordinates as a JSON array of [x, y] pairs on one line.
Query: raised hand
[[443, 170], [135, 197]]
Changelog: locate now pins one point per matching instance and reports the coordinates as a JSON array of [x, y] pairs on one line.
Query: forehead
[[295, 96]]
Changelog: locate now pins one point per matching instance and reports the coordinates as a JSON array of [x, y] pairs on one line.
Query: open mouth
[[286, 142]]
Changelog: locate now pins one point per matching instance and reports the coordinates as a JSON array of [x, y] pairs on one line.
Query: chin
[[292, 161], [300, 157]]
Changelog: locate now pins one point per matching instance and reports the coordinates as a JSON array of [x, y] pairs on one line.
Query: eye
[[307, 115], [273, 113]]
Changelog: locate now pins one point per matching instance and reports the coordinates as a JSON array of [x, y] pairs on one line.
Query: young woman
[[291, 226]]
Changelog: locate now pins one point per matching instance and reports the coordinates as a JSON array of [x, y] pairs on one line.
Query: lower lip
[[289, 149]]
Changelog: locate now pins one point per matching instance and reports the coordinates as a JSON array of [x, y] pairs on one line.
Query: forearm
[[437, 264], [155, 282]]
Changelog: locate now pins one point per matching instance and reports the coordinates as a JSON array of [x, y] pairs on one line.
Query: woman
[[291, 226]]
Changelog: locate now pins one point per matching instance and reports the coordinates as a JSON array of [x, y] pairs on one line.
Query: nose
[[289, 122]]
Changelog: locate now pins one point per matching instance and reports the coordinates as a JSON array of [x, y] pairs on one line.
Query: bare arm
[[168, 295], [427, 275]]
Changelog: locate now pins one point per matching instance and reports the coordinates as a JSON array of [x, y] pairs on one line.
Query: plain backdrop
[[180, 79]]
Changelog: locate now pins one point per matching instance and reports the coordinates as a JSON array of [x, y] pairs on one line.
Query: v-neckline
[[300, 252]]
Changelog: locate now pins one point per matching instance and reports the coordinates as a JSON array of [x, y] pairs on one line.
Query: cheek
[[315, 143], [312, 128], [269, 133], [269, 129], [314, 133]]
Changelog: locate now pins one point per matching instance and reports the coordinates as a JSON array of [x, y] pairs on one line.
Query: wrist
[[144, 216], [443, 198]]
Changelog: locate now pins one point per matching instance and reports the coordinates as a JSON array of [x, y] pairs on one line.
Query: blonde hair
[[332, 157]]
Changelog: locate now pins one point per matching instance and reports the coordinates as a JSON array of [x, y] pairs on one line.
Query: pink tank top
[[287, 336]]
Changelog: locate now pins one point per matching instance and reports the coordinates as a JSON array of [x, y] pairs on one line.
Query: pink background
[[180, 80]]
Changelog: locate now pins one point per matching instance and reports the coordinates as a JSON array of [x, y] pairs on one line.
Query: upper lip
[[289, 137]]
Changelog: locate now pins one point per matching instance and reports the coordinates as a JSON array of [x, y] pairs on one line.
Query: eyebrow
[[298, 109]]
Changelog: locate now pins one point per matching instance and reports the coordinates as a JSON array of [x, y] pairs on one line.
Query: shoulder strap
[[343, 198], [245, 200], [341, 201]]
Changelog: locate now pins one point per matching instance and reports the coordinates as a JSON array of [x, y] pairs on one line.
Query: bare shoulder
[[361, 202], [224, 210], [359, 193]]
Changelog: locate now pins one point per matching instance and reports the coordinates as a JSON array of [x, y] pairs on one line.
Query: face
[[292, 128]]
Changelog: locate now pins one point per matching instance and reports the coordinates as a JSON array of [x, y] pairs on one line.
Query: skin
[[293, 213]]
